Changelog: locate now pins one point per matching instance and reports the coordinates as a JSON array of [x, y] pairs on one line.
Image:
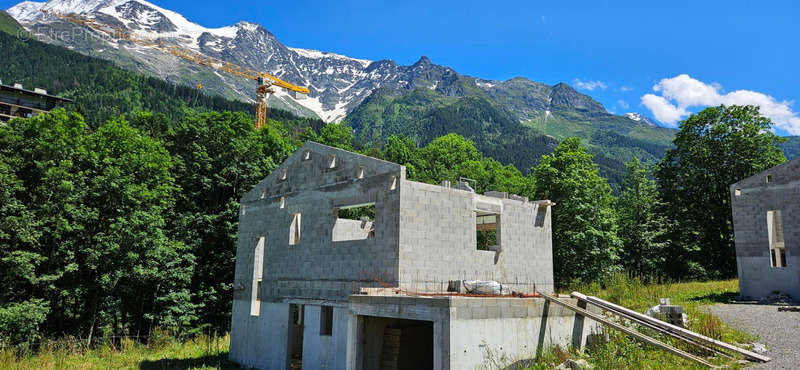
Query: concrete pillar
[[441, 344], [355, 335]]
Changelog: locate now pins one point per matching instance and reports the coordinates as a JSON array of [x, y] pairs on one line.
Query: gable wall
[[316, 267]]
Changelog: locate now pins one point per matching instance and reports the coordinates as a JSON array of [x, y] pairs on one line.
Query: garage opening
[[397, 344]]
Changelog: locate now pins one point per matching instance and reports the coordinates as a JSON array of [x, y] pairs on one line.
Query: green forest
[[118, 213]]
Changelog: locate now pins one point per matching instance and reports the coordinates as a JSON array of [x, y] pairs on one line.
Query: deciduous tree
[[714, 149], [585, 243]]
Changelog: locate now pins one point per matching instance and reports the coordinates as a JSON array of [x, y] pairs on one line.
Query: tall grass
[[161, 351], [624, 352]]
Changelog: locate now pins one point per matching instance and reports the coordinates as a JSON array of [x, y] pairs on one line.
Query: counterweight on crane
[[265, 81]]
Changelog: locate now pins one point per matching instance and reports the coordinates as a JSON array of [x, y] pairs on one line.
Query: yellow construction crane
[[265, 81]]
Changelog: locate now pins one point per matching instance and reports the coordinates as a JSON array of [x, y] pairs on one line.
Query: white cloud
[[679, 93], [663, 110], [625, 88], [622, 104], [589, 85]]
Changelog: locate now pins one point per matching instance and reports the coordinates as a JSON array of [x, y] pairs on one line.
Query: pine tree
[[641, 228]]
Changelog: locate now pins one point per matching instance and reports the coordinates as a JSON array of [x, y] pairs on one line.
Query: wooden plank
[[626, 330], [669, 327]]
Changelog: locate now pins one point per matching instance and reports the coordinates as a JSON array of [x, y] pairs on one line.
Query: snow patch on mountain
[[316, 54], [484, 84], [638, 117], [25, 10]]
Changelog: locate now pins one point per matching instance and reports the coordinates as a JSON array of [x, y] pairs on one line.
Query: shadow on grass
[[716, 297], [219, 361]]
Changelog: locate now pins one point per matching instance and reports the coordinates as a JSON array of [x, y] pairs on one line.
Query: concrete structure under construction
[[766, 224], [343, 263], [16, 101]]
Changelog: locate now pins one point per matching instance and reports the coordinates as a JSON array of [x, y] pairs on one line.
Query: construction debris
[[571, 364], [669, 313], [483, 287], [758, 348], [601, 319], [669, 329]]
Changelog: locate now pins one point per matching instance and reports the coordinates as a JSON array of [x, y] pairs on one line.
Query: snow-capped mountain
[[638, 117], [338, 83]]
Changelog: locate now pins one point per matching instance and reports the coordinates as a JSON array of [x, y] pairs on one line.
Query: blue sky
[[614, 51]]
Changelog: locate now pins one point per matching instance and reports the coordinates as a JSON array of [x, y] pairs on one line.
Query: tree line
[[131, 225]]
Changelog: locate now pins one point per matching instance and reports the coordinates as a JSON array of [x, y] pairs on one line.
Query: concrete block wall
[[260, 341], [424, 234], [325, 351], [751, 198], [438, 240]]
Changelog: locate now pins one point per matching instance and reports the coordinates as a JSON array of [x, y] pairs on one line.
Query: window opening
[[487, 226], [294, 229], [326, 320], [258, 274], [354, 222], [777, 245]]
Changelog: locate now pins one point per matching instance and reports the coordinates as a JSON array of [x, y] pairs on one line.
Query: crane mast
[[265, 81]]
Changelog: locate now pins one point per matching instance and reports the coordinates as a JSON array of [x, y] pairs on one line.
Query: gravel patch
[[780, 331]]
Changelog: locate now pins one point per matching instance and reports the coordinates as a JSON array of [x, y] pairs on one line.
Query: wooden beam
[[626, 330], [22, 107], [635, 316]]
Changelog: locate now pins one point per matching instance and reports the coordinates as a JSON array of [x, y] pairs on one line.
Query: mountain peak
[[563, 86], [563, 94], [249, 26], [423, 61]]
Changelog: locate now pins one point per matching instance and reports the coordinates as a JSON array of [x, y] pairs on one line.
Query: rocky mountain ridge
[[338, 83]]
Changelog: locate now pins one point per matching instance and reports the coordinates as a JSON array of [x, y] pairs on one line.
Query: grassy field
[[623, 352], [162, 352], [620, 352]]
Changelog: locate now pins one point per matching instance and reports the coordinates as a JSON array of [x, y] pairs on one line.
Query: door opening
[[296, 326]]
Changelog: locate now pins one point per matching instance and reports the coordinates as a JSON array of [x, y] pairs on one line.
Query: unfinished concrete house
[[342, 263], [766, 224]]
